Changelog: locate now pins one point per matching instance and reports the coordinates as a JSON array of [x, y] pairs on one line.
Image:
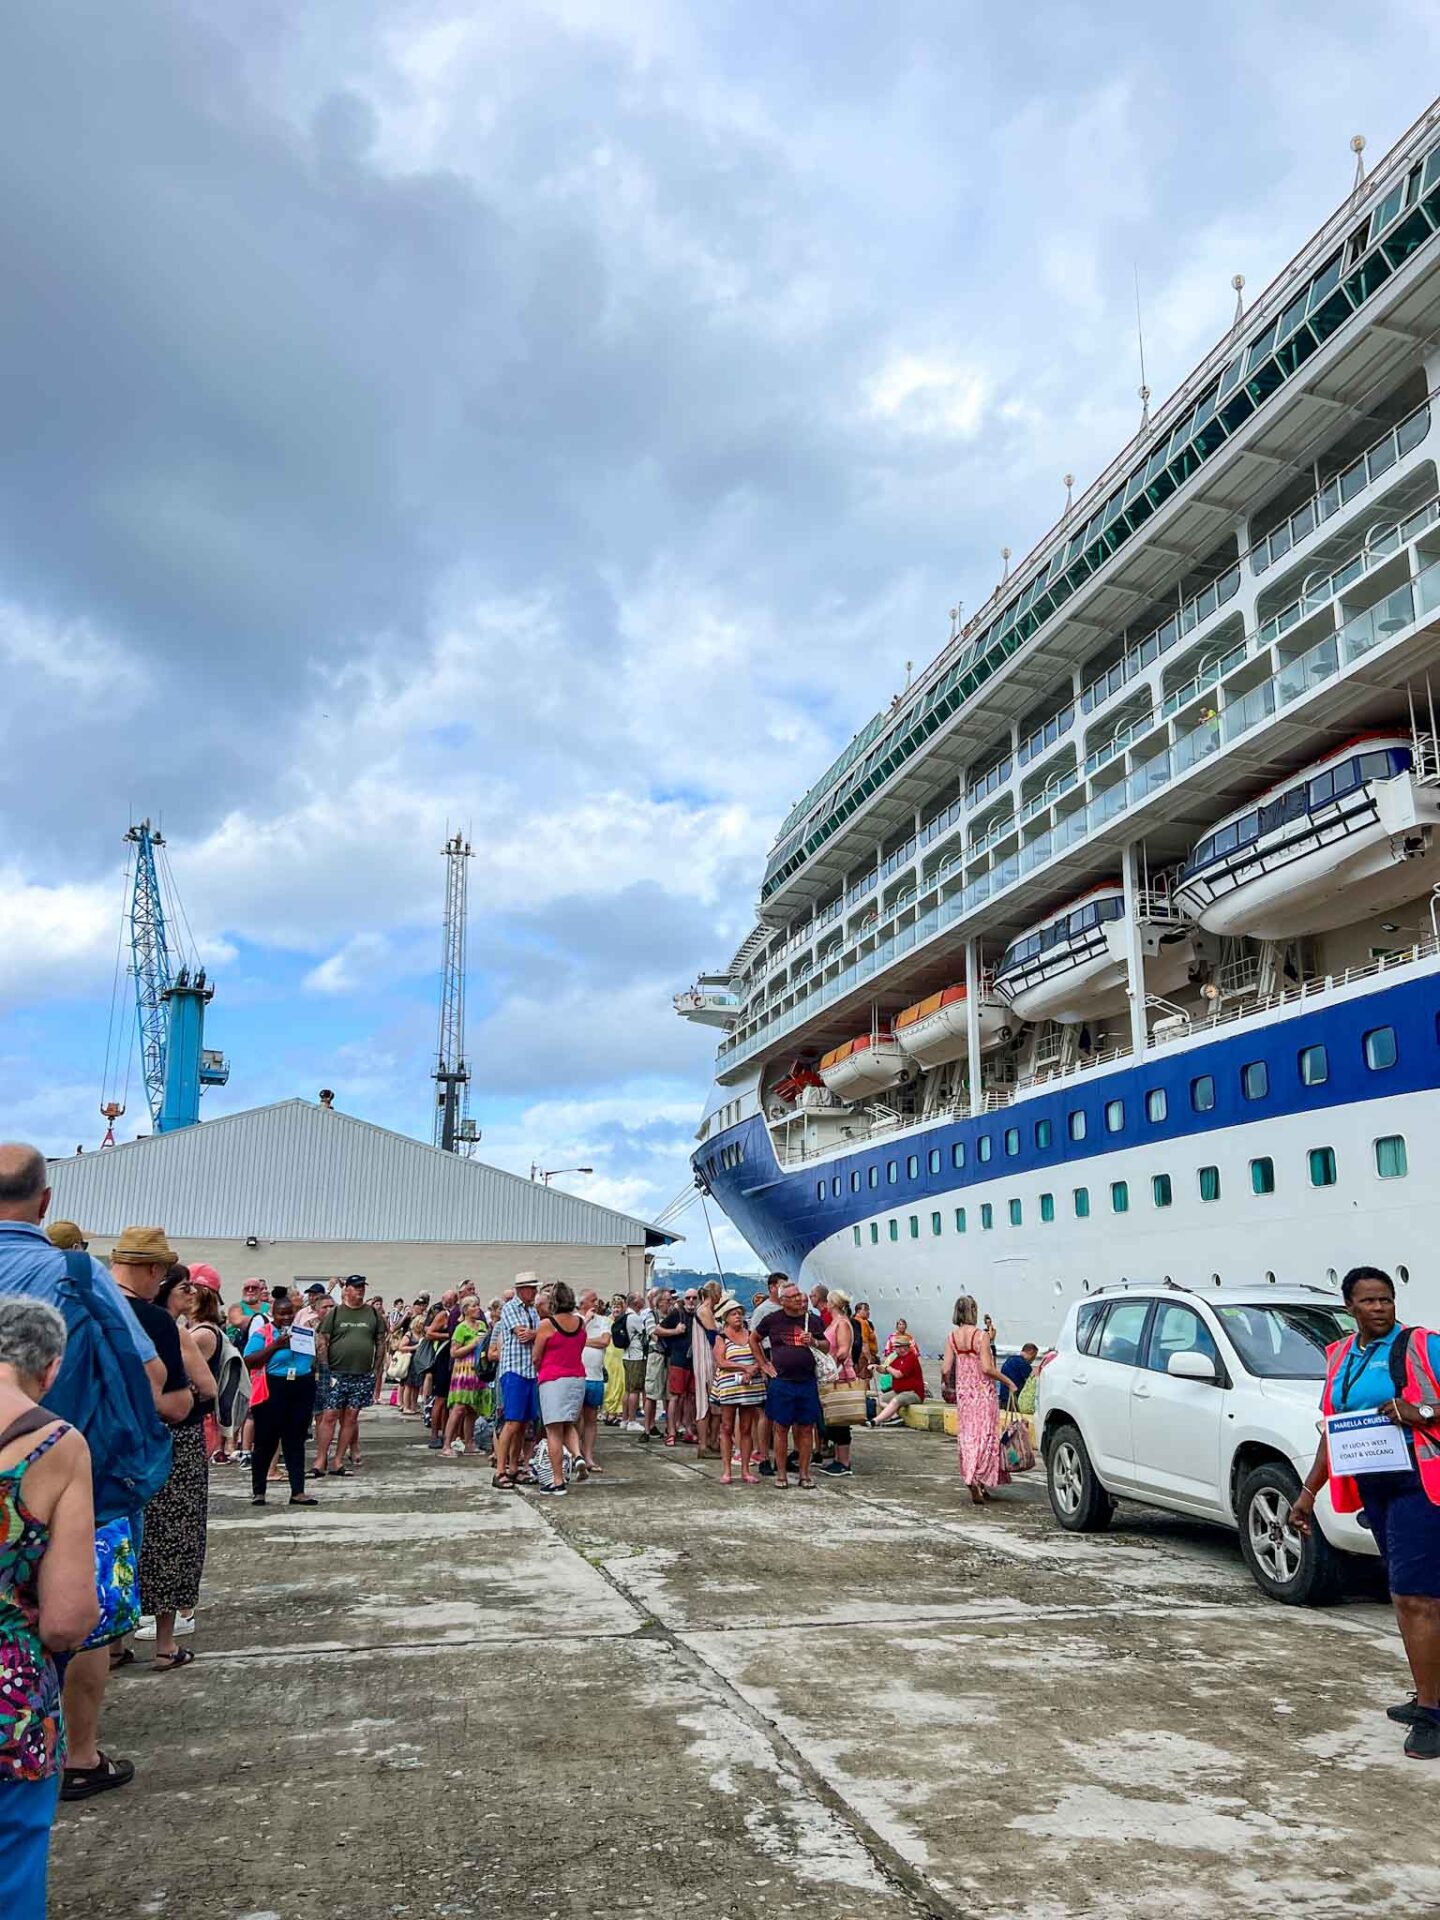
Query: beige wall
[[411, 1267]]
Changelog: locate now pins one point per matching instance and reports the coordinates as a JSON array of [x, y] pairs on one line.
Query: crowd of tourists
[[123, 1386]]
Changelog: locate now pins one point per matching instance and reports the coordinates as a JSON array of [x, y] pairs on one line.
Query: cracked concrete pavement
[[429, 1698]]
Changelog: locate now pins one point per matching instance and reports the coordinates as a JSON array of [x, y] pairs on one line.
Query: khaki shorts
[[655, 1372], [635, 1375]]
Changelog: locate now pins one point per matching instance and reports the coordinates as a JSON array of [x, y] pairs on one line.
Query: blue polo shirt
[[284, 1365], [1363, 1381]]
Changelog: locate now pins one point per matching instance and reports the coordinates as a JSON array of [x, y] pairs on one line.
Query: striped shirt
[[515, 1355]]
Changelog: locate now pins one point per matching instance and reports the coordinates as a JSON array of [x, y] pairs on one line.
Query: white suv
[[1206, 1403]]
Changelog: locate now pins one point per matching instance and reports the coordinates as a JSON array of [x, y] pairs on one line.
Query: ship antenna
[[1004, 565], [1357, 147], [1069, 480], [1140, 336], [1238, 283]]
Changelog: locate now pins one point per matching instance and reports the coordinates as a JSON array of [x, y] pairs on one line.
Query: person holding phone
[[282, 1399]]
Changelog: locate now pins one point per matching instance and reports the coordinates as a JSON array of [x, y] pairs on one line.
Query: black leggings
[[282, 1420]]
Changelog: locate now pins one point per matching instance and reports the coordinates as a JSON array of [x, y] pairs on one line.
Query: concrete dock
[[662, 1695]]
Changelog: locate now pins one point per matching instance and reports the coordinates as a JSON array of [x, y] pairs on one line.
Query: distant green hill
[[740, 1284]]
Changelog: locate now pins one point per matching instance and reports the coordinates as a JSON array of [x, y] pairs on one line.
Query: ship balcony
[[1383, 456], [708, 1005]]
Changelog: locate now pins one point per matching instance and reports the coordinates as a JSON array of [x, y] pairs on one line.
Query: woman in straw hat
[[738, 1390]]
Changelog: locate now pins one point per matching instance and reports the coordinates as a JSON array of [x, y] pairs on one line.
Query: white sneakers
[[184, 1623]]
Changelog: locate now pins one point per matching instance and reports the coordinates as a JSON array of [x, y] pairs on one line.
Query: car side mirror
[[1191, 1366]]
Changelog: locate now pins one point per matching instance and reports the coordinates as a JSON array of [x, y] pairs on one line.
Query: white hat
[[527, 1279]]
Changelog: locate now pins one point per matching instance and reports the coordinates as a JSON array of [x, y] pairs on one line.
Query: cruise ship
[[1109, 949]]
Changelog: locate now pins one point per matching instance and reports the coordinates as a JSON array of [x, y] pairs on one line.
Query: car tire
[[1077, 1499], [1297, 1572]]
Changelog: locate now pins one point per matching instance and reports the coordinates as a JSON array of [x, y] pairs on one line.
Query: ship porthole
[[1059, 1286], [1403, 1274], [1270, 1278], [1086, 1285], [1214, 1279], [1332, 1276]]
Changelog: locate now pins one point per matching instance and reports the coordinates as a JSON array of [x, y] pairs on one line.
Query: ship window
[[1391, 1162], [856, 1232], [1012, 1141], [1114, 1115], [1202, 1093], [1119, 1196], [1155, 1105], [1380, 1048], [912, 1166], [1262, 1175], [1314, 1066], [872, 1177], [1077, 1124], [936, 1222], [1160, 1189], [959, 1219], [1044, 1133], [855, 1181], [819, 1189], [957, 1154], [935, 1160], [874, 1233], [835, 1186], [985, 1147], [1047, 1207], [1255, 1080], [1082, 1203], [1209, 1183], [987, 1215], [892, 1172], [1322, 788], [1322, 1167], [914, 1226], [894, 1229], [1015, 1213]]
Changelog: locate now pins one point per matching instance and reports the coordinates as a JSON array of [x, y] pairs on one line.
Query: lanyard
[[1351, 1375]]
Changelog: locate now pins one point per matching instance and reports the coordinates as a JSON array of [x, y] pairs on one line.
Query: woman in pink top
[[968, 1351], [840, 1338], [559, 1353]]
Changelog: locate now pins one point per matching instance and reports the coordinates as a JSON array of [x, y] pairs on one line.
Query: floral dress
[[977, 1415], [32, 1726]]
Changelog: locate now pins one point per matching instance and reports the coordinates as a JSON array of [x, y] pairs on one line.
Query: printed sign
[[1365, 1443], [302, 1340]]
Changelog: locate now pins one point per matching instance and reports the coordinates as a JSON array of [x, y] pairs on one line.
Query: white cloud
[[931, 395]]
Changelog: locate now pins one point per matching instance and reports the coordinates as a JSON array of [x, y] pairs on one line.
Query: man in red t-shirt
[[792, 1398], [820, 1301]]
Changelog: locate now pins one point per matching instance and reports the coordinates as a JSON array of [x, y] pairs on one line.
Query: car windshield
[[1284, 1342]]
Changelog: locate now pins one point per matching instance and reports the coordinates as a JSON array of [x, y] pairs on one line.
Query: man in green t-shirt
[[350, 1349]]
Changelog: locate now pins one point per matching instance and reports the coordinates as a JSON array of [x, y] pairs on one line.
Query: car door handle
[[1080, 1379], [1140, 1391]]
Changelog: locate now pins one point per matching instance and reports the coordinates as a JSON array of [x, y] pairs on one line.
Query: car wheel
[[1077, 1499], [1286, 1567]]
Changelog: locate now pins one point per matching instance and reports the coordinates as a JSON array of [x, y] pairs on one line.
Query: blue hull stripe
[[782, 1215]]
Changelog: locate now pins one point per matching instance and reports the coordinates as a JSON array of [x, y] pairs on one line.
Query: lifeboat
[[936, 1030], [869, 1064], [1071, 967], [1349, 836], [792, 1083]]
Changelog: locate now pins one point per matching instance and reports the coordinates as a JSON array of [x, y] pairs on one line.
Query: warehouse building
[[297, 1191]]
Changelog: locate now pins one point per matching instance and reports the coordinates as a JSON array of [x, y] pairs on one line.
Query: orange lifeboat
[[866, 1065], [936, 1029]]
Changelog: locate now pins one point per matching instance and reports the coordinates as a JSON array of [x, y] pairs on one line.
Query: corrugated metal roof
[[294, 1171]]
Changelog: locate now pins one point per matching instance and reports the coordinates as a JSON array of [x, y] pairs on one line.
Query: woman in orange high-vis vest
[[1389, 1369]]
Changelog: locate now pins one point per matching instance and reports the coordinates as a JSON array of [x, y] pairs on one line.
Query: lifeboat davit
[[792, 1083], [1071, 966], [936, 1030], [1348, 836], [869, 1064]]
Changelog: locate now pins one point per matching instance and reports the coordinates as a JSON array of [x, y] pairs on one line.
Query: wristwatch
[[1428, 1411]]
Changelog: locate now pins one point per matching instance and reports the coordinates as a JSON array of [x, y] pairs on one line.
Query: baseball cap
[[65, 1235], [310, 1292]]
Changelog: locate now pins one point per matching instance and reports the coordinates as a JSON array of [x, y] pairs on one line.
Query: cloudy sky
[[559, 419]]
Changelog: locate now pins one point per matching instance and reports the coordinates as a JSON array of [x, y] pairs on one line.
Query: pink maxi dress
[[977, 1413]]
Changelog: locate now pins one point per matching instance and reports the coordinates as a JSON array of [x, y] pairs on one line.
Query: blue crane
[[170, 1001]]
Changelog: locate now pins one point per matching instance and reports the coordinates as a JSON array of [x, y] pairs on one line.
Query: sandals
[[505, 1482], [83, 1783], [124, 1658], [807, 1483], [726, 1480], [303, 1500], [172, 1662]]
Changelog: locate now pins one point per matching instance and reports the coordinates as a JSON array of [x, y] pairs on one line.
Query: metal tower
[[453, 1131], [169, 1006], [149, 962]]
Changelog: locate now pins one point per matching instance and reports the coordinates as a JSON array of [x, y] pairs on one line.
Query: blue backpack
[[103, 1389]]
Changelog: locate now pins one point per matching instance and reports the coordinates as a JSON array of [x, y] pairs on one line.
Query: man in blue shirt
[[1019, 1367], [29, 1264]]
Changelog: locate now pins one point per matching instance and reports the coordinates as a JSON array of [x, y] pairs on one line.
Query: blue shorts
[[27, 1813], [594, 1393], [1406, 1526], [345, 1391], [519, 1398], [117, 1581], [793, 1403]]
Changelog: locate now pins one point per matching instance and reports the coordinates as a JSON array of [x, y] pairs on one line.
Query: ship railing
[[1341, 488]]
